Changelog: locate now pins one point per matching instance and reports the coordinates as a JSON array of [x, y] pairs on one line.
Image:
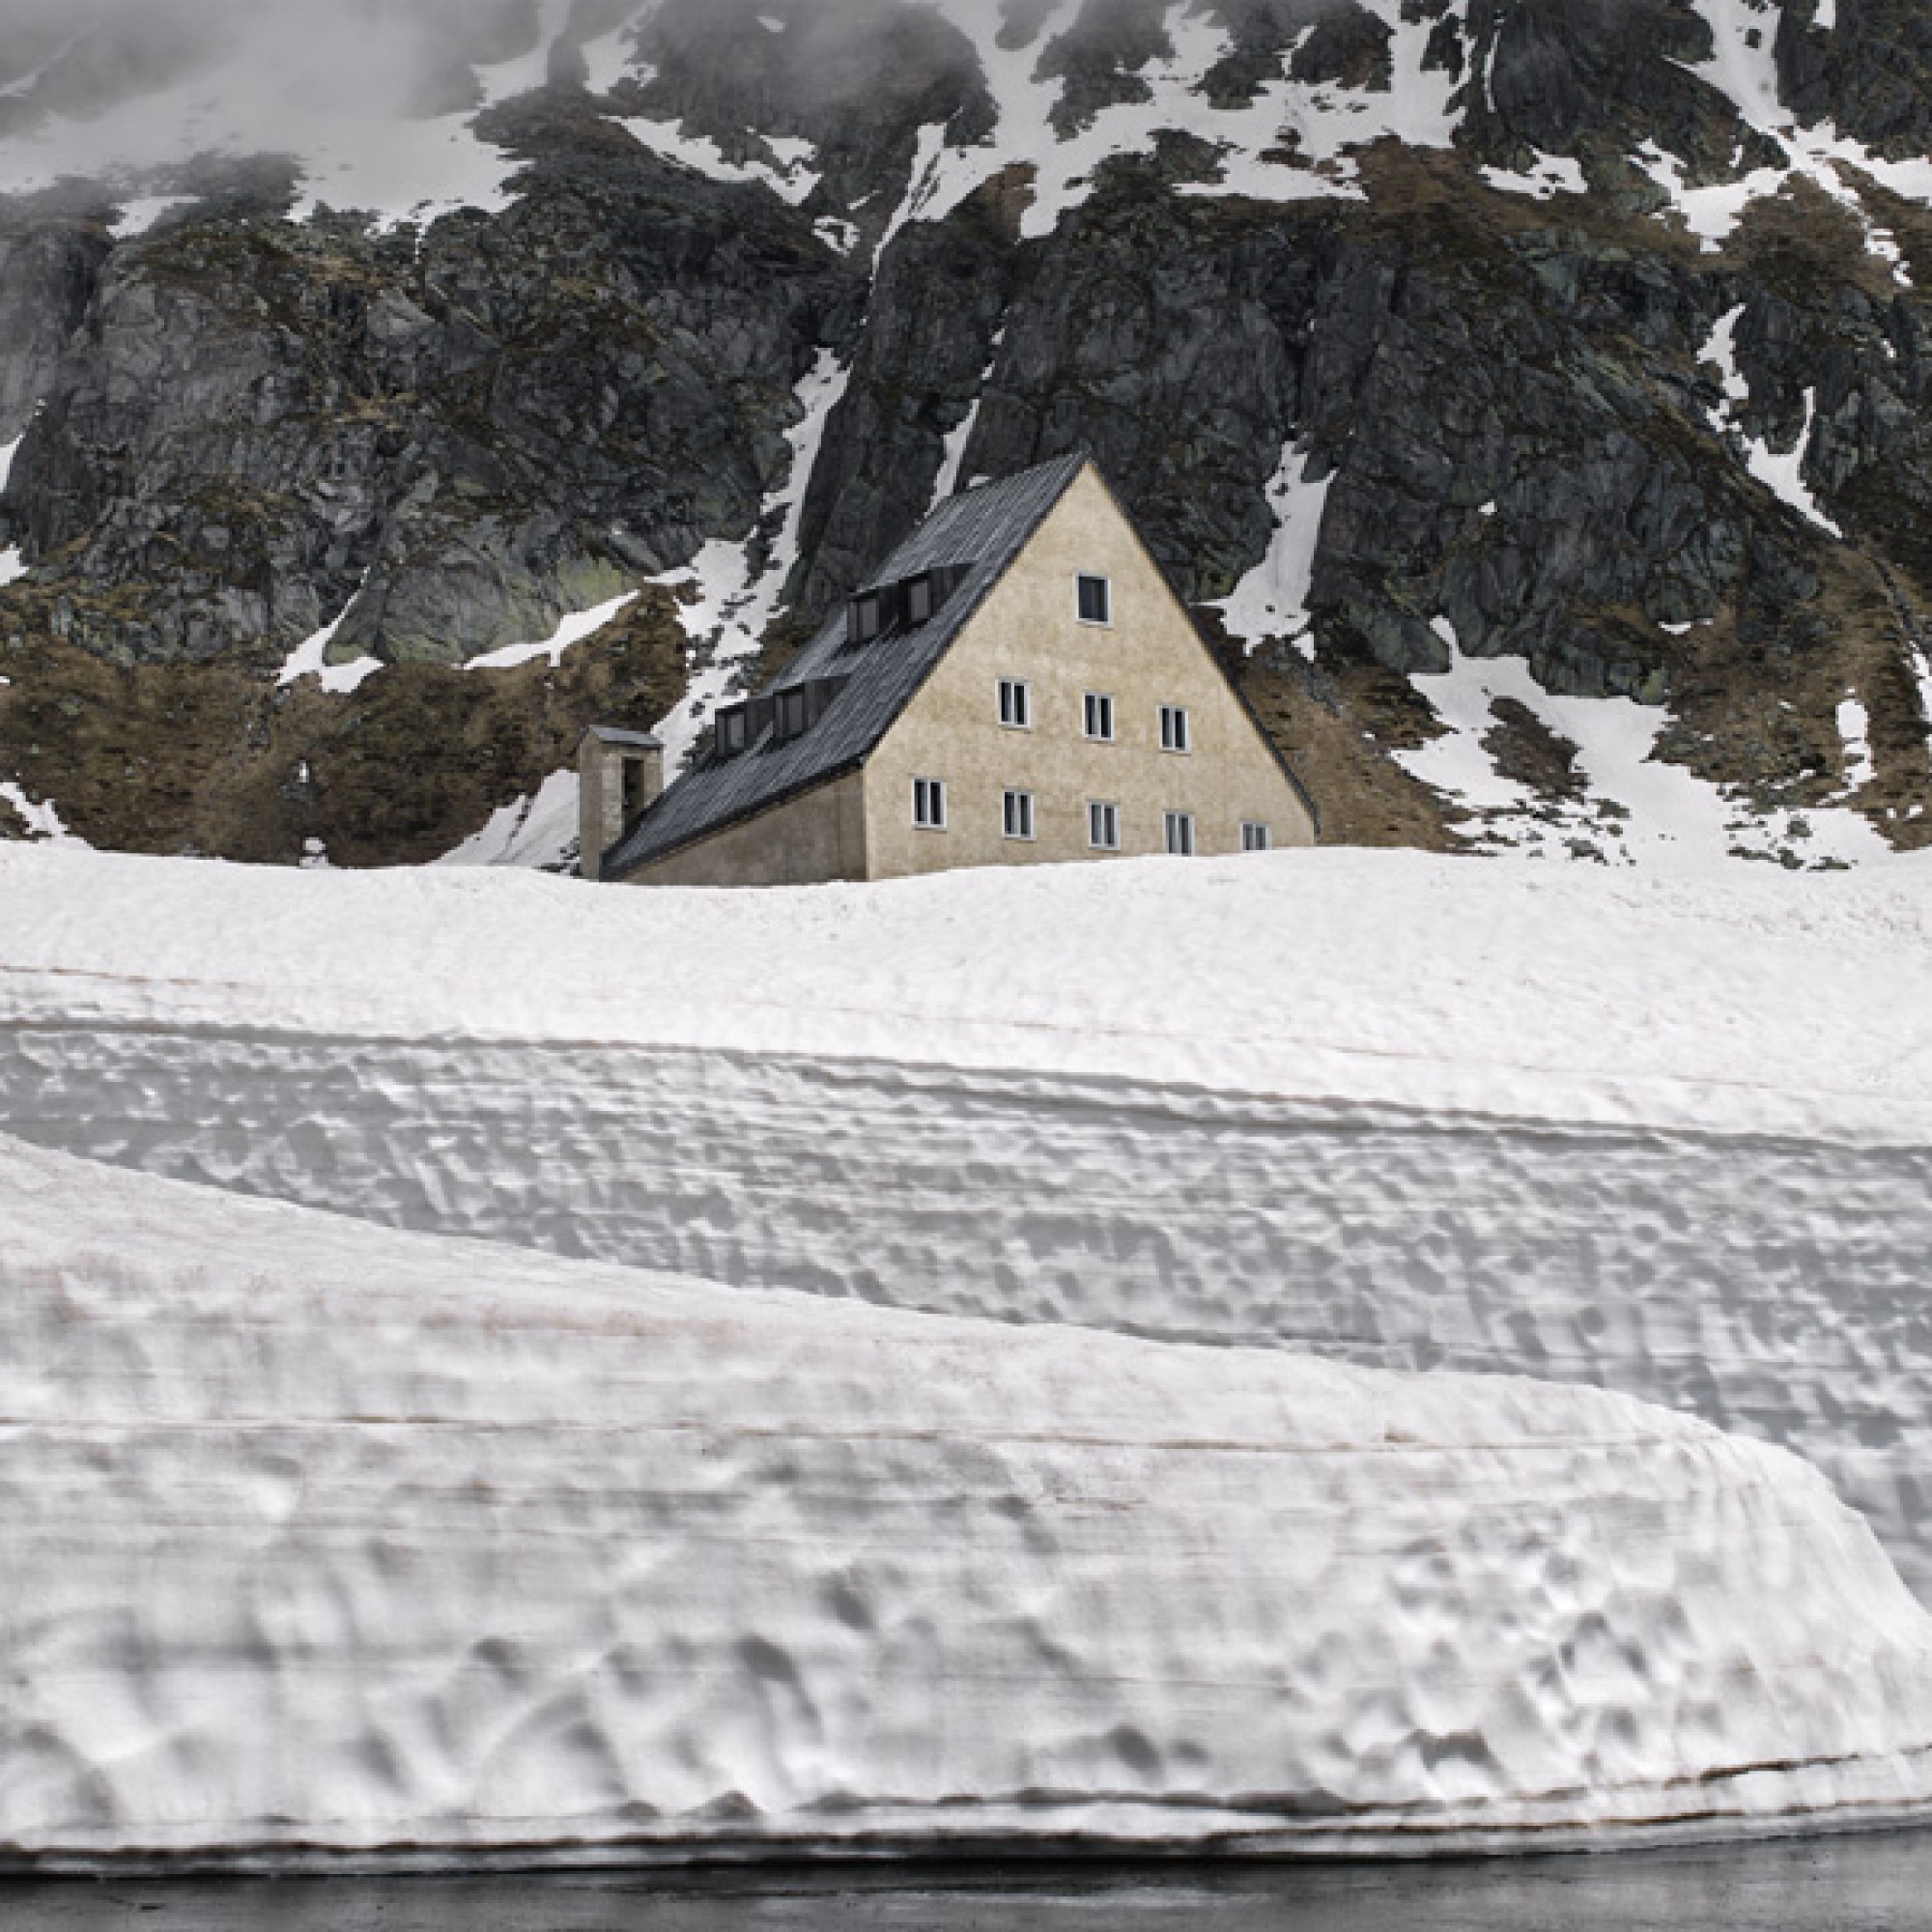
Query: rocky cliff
[[1530, 395]]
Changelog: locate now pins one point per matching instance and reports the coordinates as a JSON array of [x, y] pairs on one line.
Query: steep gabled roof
[[987, 529]]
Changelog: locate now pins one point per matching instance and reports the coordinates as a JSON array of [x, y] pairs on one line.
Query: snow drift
[[1670, 1132], [327, 1540]]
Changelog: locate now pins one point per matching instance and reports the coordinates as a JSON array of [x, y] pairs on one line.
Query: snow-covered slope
[[1731, 999], [1667, 1132], [327, 1540]]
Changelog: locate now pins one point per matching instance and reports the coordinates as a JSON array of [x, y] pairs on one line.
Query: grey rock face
[[1597, 79], [1871, 73], [940, 298], [1098, 58], [48, 275], [487, 426], [857, 81]]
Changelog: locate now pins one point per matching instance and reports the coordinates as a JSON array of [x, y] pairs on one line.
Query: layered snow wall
[[325, 1540], [1671, 1132]]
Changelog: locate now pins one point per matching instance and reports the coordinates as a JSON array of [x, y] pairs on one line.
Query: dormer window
[[787, 712], [863, 618], [905, 603], [733, 731]]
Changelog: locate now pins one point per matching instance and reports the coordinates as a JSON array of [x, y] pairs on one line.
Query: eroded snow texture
[[1668, 1132], [325, 1539]]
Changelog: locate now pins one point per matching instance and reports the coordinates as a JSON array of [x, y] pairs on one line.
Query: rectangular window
[[1098, 718], [928, 804], [1181, 834], [919, 600], [863, 623], [1015, 704], [1103, 827], [731, 731], [1176, 734], [1017, 808], [1256, 837], [1097, 600]]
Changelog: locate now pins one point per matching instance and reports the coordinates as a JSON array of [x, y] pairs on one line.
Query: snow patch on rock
[[42, 817], [730, 593], [790, 174], [573, 630], [1552, 176], [1743, 67], [1632, 806], [310, 658], [540, 831], [1272, 600], [1854, 733], [1780, 471], [1291, 143]]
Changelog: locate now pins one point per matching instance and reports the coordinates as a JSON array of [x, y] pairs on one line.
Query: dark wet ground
[[1877, 1884]]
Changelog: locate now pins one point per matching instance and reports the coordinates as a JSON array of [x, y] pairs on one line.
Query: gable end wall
[[1150, 655]]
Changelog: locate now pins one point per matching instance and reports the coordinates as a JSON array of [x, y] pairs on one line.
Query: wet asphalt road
[[1876, 1883]]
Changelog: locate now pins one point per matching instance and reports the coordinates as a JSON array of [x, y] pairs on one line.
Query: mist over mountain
[[1531, 396]]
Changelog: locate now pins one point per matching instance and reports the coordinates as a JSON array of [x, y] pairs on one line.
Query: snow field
[[1772, 1287], [1714, 996], [330, 1542], [1663, 1131]]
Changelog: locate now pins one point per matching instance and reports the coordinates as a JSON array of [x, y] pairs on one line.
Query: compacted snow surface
[[327, 1540], [328, 1536]]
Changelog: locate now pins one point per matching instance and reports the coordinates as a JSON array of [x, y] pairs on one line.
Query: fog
[[87, 56], [358, 94], [355, 93]]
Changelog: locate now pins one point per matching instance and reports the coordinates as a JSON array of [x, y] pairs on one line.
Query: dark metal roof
[[609, 734], [986, 528]]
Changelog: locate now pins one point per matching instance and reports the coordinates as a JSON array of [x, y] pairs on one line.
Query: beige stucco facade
[[1148, 655], [809, 840]]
